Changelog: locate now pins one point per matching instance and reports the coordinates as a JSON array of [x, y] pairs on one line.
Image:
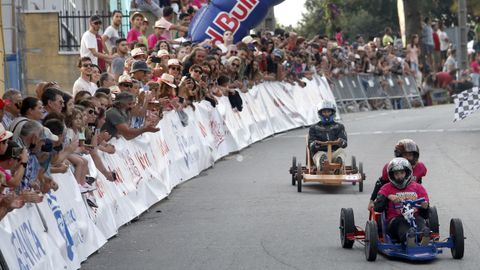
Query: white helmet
[[399, 164], [326, 105]]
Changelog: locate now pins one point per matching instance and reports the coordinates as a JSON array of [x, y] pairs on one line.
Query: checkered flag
[[466, 103]]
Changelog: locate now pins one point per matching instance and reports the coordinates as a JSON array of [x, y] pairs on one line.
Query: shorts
[[427, 48]]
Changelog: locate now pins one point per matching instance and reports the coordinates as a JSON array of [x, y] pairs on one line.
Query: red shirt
[[436, 41], [101, 63], [339, 38], [443, 79], [412, 192], [475, 67], [419, 171], [133, 35], [152, 41]]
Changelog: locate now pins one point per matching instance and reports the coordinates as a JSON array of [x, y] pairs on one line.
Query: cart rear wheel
[[347, 226], [293, 170], [299, 177], [433, 223], [360, 183], [354, 164], [456, 234], [371, 240]]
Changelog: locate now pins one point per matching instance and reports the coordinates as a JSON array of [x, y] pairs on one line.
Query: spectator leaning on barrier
[[53, 100], [117, 118], [13, 99]]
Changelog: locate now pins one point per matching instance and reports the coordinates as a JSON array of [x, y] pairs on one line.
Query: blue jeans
[[153, 7]]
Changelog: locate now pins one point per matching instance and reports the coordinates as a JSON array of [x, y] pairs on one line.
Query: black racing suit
[[326, 132]]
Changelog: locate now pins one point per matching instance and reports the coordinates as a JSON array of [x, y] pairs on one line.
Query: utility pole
[[2, 54], [462, 25]]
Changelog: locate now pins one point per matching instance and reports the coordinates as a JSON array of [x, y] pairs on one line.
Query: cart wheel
[[371, 241], [433, 223], [293, 170], [347, 225], [456, 234], [354, 164], [360, 183], [299, 177]]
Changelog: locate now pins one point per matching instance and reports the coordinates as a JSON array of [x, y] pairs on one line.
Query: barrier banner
[[278, 118], [64, 229], [254, 103], [213, 130], [27, 245]]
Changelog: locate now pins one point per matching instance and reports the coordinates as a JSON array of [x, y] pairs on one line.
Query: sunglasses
[[175, 68], [235, 65], [233, 52], [97, 23], [197, 71], [87, 65]]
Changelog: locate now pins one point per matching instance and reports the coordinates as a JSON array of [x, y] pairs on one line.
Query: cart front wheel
[[293, 170], [456, 234], [299, 177], [371, 240], [347, 226], [360, 171]]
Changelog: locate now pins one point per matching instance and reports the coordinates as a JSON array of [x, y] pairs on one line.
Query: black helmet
[[407, 146], [399, 164]]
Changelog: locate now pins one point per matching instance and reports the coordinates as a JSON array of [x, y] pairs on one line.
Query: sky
[[289, 12]]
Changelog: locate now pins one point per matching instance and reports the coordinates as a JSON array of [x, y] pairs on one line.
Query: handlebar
[[414, 203], [337, 142]]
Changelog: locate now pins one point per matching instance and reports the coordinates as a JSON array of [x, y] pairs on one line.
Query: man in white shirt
[[444, 41], [88, 43], [111, 35], [83, 82]]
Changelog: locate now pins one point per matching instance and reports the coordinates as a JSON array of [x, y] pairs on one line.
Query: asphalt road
[[244, 213]]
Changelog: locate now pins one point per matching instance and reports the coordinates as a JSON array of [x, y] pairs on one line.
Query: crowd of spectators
[[126, 84]]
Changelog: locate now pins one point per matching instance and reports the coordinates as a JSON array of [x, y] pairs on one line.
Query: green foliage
[[367, 17]]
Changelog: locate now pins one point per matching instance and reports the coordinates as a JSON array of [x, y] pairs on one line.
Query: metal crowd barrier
[[367, 91]]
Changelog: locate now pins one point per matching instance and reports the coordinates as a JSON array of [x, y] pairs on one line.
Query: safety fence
[[63, 231], [369, 92]]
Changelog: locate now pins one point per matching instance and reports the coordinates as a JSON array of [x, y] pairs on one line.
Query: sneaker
[[90, 180], [339, 160], [323, 158], [411, 235], [425, 237], [91, 201], [86, 188]]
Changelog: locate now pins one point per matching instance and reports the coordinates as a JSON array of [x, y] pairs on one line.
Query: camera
[[16, 152], [155, 59]]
